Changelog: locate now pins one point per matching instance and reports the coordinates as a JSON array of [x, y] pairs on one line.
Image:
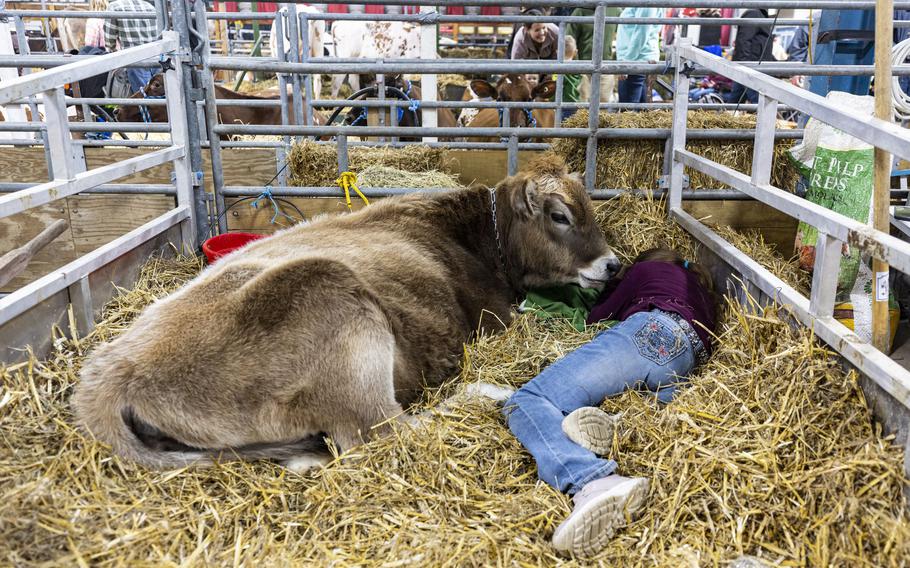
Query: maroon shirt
[[658, 285]]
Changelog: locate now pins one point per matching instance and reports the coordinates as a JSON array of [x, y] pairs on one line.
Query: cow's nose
[[613, 266]]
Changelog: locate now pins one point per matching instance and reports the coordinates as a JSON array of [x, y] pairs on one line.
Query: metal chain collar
[[502, 257]]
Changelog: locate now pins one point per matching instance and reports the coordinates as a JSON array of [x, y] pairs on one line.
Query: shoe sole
[[589, 530], [591, 429]]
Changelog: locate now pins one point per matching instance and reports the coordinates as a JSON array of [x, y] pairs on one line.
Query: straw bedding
[[769, 453], [638, 164], [316, 165]]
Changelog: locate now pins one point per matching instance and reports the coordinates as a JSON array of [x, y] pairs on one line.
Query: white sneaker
[[591, 428], [600, 508]]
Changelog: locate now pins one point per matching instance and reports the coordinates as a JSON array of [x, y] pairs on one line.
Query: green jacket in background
[[584, 34], [570, 88]]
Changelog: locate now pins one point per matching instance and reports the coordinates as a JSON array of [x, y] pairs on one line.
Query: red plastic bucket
[[220, 245]]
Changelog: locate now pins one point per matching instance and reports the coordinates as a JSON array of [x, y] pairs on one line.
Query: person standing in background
[[570, 83], [637, 43], [125, 33], [94, 27], [752, 43], [584, 40], [536, 41]]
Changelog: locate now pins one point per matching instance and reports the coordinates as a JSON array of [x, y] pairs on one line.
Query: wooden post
[[881, 197]]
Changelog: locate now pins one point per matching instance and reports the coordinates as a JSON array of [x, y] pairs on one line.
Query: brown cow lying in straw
[[332, 327]]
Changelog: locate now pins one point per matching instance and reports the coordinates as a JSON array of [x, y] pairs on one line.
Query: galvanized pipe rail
[[834, 229], [70, 177], [769, 4], [500, 66]]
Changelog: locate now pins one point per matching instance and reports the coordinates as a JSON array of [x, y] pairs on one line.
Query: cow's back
[[430, 287]]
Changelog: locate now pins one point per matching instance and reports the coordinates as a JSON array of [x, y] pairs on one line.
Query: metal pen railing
[[69, 176], [835, 230]]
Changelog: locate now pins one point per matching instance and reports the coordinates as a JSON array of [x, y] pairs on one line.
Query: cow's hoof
[[303, 464]]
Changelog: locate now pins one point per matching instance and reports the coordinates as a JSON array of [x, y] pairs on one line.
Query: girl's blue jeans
[[647, 350]]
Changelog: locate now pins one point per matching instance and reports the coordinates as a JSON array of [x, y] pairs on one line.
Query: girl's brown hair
[[673, 257]]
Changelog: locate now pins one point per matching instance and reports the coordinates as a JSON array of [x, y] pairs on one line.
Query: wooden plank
[[18, 229], [487, 167], [245, 166], [15, 261], [71, 184], [33, 328], [98, 157], [98, 219], [777, 228], [23, 164], [23, 299], [243, 217]]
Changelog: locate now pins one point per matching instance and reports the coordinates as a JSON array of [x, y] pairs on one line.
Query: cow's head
[[157, 113], [550, 234], [514, 88]]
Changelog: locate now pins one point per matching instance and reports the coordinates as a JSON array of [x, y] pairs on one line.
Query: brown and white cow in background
[[372, 40], [316, 30], [511, 88], [335, 326]]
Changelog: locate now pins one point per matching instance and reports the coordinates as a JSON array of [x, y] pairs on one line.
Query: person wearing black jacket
[[753, 43]]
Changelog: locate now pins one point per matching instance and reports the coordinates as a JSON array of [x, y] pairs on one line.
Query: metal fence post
[[211, 119], [180, 19], [282, 152], [824, 275], [597, 54], [678, 132], [177, 112], [58, 134], [763, 146], [560, 78], [294, 37], [32, 105], [428, 84], [308, 82]]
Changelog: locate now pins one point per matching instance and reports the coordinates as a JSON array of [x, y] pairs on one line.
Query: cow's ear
[[483, 89], [544, 90], [526, 199]]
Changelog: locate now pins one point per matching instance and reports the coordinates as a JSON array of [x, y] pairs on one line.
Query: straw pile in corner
[[769, 453], [638, 164], [316, 165]]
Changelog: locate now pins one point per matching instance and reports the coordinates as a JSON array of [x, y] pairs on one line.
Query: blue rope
[[363, 116], [144, 110], [529, 115], [267, 194]]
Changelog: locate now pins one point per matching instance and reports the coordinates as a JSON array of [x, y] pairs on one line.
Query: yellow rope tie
[[346, 181]]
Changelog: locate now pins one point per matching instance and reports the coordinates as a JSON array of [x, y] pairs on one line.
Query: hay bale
[[384, 176], [316, 165], [768, 453], [446, 79], [638, 164], [468, 53]]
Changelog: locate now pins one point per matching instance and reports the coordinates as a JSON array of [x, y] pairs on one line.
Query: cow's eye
[[559, 218]]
